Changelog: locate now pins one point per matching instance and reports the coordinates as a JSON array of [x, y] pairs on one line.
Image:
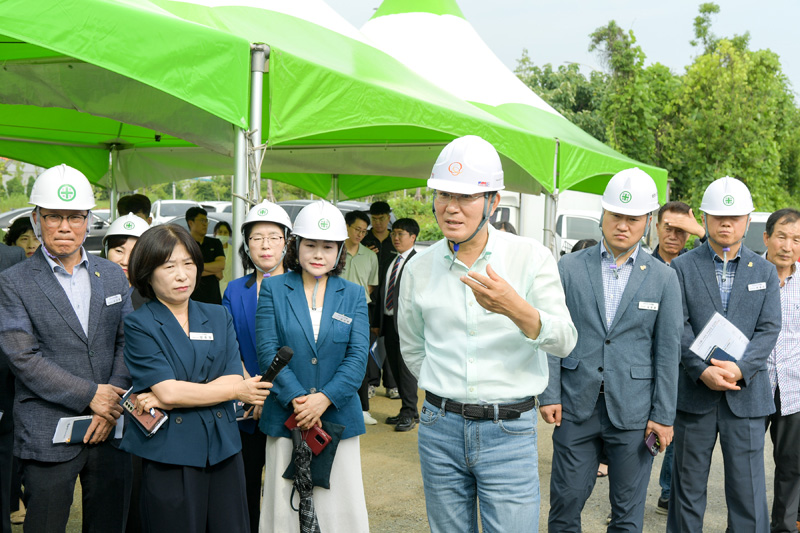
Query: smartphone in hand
[[653, 446]]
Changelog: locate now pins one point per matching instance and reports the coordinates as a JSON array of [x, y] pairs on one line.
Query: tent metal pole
[[113, 195], [550, 208], [259, 53], [240, 191], [335, 184]]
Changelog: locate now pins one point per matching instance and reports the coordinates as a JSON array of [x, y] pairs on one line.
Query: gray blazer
[[10, 255], [757, 314], [636, 358], [57, 367]]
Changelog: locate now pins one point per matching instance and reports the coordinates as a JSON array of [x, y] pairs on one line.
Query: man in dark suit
[[727, 396], [9, 256], [61, 317], [404, 235]]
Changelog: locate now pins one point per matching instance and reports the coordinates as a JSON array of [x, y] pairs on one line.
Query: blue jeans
[[665, 479], [466, 461]]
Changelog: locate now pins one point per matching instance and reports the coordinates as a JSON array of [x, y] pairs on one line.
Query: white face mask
[[224, 238]]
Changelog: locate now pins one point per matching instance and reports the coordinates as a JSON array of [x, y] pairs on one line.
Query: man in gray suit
[[725, 397], [61, 316], [619, 383]]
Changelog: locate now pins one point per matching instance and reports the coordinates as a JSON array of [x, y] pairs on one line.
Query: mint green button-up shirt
[[459, 350]]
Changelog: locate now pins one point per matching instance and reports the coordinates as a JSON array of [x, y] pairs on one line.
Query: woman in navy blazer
[[265, 231], [323, 318], [183, 357]]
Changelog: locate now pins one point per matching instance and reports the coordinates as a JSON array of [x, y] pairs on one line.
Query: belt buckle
[[466, 416]]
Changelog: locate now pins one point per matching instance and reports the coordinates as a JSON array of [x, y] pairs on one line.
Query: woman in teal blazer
[[183, 358], [323, 318]]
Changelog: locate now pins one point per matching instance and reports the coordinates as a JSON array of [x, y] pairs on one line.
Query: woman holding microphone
[[265, 230], [183, 357], [323, 318]]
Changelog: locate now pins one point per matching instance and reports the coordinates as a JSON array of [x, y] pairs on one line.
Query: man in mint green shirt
[[476, 313]]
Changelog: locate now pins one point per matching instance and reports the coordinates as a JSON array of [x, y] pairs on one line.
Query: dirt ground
[[396, 501]]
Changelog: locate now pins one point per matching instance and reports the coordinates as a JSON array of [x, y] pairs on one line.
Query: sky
[[558, 31]]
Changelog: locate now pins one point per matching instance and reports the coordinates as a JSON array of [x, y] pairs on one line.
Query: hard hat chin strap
[[613, 266], [37, 230], [487, 208], [725, 249]]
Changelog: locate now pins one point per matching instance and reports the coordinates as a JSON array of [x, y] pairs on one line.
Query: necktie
[[392, 280]]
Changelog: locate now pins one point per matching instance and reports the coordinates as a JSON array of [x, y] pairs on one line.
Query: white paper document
[[720, 332], [64, 428]]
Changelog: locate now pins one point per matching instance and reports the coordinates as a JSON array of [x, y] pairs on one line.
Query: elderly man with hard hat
[[476, 313], [61, 317], [618, 386], [724, 395]]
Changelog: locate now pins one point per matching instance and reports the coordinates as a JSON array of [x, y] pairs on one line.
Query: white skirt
[[340, 509]]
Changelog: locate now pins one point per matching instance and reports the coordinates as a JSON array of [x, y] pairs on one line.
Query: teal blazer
[[334, 365], [157, 349]]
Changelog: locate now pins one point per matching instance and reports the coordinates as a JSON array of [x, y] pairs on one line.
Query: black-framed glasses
[[444, 198], [272, 240], [400, 234], [361, 232], [54, 220]]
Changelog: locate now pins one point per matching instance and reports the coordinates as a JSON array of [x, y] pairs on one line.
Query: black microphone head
[[284, 354]]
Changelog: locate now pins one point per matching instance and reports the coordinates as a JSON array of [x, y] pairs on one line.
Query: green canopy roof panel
[[436, 7]]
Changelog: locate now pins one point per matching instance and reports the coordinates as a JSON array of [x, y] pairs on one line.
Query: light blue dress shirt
[[459, 350], [77, 285]]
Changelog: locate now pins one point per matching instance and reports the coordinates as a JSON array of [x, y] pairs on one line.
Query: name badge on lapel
[[342, 318], [111, 300], [648, 306], [201, 336], [757, 286]]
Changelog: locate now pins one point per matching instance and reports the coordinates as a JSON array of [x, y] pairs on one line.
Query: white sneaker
[[368, 420]]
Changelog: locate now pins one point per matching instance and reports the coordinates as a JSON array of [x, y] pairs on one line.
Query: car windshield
[[174, 210], [582, 228], [755, 237]]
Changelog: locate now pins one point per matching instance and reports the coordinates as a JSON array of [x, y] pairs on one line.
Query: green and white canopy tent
[[447, 50]]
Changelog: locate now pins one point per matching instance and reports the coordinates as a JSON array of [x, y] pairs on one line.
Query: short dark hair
[[675, 206], [352, 216], [153, 249], [379, 208], [503, 225], [134, 203], [406, 224], [786, 215], [292, 261], [20, 226], [193, 211], [223, 224], [583, 243]]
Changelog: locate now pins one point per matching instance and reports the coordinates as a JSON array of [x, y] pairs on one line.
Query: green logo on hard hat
[[129, 225], [324, 223], [263, 211], [625, 197], [66, 192], [727, 200]]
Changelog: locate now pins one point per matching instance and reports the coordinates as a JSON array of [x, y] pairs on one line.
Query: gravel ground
[[396, 501]]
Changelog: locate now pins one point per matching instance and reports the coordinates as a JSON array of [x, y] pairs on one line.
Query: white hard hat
[[727, 197], [129, 225], [267, 212], [468, 165], [320, 220], [62, 187], [630, 192]]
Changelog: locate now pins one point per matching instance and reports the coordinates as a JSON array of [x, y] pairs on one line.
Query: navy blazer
[[157, 349], [755, 311], [636, 358], [240, 299], [57, 365], [334, 365]]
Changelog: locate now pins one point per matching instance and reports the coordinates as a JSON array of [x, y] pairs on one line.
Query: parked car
[[10, 216], [165, 210], [217, 206], [755, 233], [293, 207]]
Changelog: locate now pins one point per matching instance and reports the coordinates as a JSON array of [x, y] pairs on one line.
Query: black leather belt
[[475, 411]]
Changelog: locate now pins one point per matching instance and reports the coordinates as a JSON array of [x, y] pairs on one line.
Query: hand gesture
[[98, 430], [719, 377], [106, 402], [551, 413], [492, 292], [664, 433], [252, 390], [308, 410]]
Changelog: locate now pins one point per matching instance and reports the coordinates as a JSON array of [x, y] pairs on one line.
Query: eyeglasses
[[400, 234], [55, 220], [360, 231], [444, 198], [272, 240]]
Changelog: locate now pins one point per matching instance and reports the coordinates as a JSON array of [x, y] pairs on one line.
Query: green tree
[[14, 186], [570, 93]]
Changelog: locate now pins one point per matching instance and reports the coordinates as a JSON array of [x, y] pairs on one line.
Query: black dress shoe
[[406, 423], [393, 420]]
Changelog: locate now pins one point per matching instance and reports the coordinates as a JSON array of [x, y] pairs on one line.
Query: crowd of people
[[603, 344]]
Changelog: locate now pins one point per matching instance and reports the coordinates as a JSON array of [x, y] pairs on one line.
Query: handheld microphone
[[282, 358]]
